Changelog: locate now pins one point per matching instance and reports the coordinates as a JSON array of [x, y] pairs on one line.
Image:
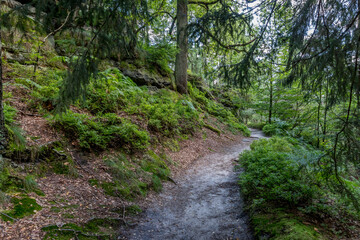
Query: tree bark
[[318, 118], [182, 43], [2, 119], [271, 97], [358, 90], [325, 110]]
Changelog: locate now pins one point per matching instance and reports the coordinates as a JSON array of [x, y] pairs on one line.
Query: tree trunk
[[182, 43], [271, 97], [2, 119], [318, 119], [358, 86], [325, 110]]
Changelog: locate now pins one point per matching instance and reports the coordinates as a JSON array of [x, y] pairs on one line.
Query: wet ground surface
[[204, 204]]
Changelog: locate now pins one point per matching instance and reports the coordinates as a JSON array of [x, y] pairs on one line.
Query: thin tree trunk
[[182, 43], [325, 110], [271, 99], [2, 119], [318, 120]]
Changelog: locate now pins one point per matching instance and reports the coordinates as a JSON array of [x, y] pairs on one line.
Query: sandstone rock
[[145, 79]]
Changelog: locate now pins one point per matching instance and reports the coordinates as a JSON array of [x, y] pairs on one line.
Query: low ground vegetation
[[289, 192]]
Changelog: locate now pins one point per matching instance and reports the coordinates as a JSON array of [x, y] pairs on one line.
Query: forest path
[[204, 204]]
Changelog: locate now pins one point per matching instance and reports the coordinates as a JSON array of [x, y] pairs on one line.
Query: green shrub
[[102, 131], [275, 172], [166, 112], [9, 114], [129, 180], [44, 90], [156, 165], [110, 92], [30, 183], [238, 127], [136, 177], [15, 136], [278, 127], [217, 110], [4, 174], [159, 55]]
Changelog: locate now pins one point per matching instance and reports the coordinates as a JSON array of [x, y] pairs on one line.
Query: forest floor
[[75, 200], [205, 202]]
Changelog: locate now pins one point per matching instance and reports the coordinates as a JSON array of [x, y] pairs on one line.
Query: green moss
[[155, 164], [55, 209], [214, 129], [172, 144], [278, 225], [94, 182], [71, 206], [22, 207], [92, 230], [68, 215], [156, 183], [109, 188], [133, 210]]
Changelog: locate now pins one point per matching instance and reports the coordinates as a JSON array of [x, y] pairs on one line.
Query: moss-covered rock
[[278, 225], [92, 230], [22, 207]]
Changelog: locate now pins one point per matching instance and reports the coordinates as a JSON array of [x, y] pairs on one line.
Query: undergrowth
[[96, 228], [135, 177], [218, 110], [101, 131], [286, 172], [164, 113]]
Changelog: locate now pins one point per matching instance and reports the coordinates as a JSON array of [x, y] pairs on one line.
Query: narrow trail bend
[[205, 203]]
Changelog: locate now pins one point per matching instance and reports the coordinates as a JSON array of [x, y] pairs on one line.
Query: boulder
[[15, 57], [145, 79]]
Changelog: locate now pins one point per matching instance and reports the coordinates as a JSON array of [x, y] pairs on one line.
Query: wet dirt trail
[[204, 204]]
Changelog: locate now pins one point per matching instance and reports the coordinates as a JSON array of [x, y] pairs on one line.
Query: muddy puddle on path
[[204, 204]]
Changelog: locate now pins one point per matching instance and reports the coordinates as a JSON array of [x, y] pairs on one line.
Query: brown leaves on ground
[[66, 200]]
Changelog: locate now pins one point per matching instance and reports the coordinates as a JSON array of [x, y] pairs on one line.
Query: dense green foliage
[[283, 176], [276, 171], [111, 95], [98, 132]]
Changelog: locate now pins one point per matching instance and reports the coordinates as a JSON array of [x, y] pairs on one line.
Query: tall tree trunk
[[325, 110], [182, 43], [358, 86], [2, 119]]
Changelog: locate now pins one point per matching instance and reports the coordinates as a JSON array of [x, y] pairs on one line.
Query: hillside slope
[[83, 169]]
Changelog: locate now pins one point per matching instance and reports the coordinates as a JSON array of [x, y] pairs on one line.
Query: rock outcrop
[[142, 78]]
